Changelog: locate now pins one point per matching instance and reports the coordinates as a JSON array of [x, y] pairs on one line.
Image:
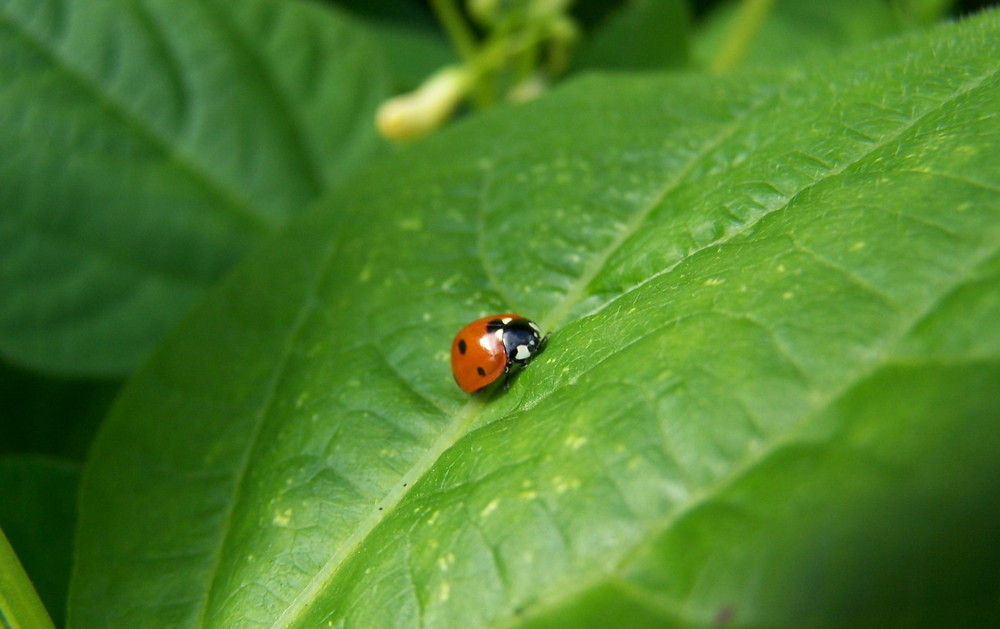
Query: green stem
[[749, 18], [501, 48], [527, 60], [458, 31], [20, 607], [455, 26]]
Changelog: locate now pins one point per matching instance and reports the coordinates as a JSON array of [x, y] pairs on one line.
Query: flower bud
[[528, 89], [419, 112]]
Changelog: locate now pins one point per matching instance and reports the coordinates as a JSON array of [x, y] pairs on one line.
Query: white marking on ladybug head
[[535, 327], [499, 334], [507, 320], [522, 353]]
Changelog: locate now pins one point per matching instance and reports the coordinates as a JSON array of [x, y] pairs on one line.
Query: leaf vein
[[575, 293], [749, 225], [740, 469], [294, 128], [847, 273], [774, 446], [268, 402], [238, 204]]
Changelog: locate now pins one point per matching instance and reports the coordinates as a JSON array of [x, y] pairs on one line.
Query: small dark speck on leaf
[[724, 616]]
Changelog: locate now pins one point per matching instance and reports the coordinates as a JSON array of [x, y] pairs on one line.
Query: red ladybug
[[487, 348]]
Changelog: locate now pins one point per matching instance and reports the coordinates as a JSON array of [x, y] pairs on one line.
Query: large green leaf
[[147, 144], [768, 399]]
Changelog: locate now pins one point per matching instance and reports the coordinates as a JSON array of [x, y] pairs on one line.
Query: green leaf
[[798, 28], [147, 146], [774, 307], [642, 35], [37, 515]]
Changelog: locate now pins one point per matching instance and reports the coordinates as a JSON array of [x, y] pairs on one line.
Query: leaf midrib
[[251, 57], [850, 381], [561, 592], [462, 421], [751, 224], [309, 304], [465, 417], [775, 444], [575, 294]]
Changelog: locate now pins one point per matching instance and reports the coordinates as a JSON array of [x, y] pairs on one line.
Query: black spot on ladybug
[[481, 372], [461, 346], [494, 325]]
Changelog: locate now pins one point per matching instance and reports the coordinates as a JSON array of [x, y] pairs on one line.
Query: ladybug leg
[[512, 371], [508, 378]]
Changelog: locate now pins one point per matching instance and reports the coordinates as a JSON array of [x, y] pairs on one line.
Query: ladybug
[[487, 348]]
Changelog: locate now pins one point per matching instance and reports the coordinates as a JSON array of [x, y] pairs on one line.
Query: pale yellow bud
[[409, 116], [528, 89]]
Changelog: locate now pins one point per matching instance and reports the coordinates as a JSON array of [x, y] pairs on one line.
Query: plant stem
[[458, 31], [450, 17], [746, 24], [20, 607]]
